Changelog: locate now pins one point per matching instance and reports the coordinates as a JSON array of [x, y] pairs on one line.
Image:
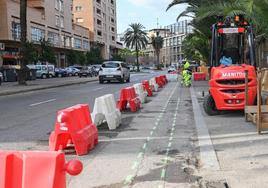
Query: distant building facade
[[50, 20], [100, 17], [173, 35]]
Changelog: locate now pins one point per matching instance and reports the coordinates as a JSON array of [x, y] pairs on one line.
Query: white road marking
[[99, 88], [43, 102], [141, 138], [207, 152]]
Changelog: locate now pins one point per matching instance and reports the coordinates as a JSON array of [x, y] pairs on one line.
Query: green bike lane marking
[[136, 164], [170, 142]]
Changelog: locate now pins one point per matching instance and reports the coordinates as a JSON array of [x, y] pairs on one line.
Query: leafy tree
[[31, 53], [82, 60], [94, 55], [72, 57], [47, 53], [136, 38], [157, 43], [118, 57]]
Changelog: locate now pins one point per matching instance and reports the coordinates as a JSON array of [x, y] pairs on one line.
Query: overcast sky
[[146, 12]]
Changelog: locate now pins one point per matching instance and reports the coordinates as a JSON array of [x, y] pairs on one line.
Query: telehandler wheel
[[210, 106]]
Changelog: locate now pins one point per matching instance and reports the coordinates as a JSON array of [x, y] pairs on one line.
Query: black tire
[[210, 106], [122, 80], [128, 80], [101, 81], [44, 76]]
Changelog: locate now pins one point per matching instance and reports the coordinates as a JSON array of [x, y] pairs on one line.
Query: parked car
[[114, 70], [85, 72], [79, 67], [96, 67], [43, 71], [60, 72], [71, 71], [51, 71], [1, 78]]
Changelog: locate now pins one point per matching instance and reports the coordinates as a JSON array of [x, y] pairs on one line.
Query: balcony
[[40, 4]]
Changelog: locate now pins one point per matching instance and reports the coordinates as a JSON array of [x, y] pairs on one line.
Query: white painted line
[[43, 102], [207, 152], [142, 138], [99, 88]]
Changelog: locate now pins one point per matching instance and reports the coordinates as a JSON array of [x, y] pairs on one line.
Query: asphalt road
[[26, 120]]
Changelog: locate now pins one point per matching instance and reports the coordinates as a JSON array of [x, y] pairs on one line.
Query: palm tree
[[204, 13], [157, 43], [23, 24], [136, 38]]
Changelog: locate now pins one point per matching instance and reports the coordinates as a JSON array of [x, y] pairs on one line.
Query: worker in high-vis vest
[[186, 75]]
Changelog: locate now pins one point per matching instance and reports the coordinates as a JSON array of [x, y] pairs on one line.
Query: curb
[[44, 88]]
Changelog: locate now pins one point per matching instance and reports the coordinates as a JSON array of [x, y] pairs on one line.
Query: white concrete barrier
[[105, 110], [172, 77], [142, 94], [154, 84]]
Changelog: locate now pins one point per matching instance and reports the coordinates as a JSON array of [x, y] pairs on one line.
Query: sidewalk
[[152, 148], [242, 154], [10, 88]]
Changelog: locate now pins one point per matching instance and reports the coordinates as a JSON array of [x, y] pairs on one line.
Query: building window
[[112, 20], [98, 11], [61, 5], [78, 8], [112, 2], [79, 20], [62, 22], [57, 18], [66, 41], [98, 22], [53, 38], [16, 31], [86, 45], [77, 43], [57, 4], [37, 34], [99, 33], [113, 38], [98, 1], [112, 29]]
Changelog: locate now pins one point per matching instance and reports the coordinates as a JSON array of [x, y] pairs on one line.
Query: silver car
[[114, 71]]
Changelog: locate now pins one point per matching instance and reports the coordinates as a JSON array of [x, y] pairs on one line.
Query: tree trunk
[[22, 73], [158, 60], [137, 58]]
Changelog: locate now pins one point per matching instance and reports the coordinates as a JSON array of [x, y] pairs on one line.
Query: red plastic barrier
[[32, 169], [159, 81], [129, 96], [199, 76], [164, 79], [147, 87], [74, 127]]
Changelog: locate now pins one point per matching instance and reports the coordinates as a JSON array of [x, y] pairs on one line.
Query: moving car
[[1, 78], [171, 69], [114, 71]]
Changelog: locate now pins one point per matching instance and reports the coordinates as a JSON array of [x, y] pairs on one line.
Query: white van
[[114, 71], [44, 71]]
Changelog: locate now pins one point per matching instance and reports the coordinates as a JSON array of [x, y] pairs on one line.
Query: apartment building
[[173, 35], [46, 19], [99, 16]]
